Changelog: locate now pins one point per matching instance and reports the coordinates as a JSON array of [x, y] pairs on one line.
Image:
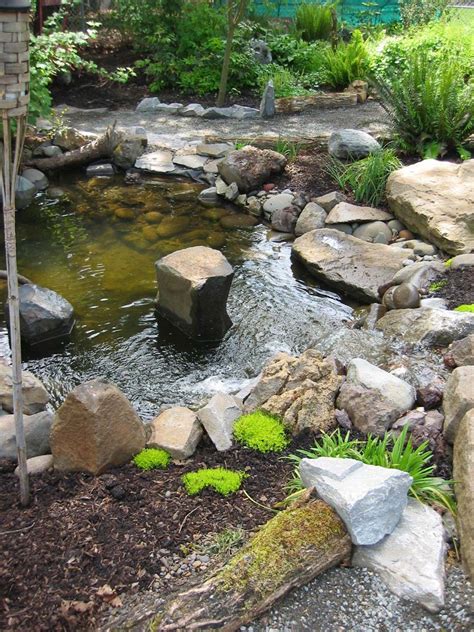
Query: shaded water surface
[[98, 248]]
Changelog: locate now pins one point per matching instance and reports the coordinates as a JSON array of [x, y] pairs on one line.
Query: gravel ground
[[356, 600]]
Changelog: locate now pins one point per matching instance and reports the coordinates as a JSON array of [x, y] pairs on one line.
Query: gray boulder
[[35, 396], [411, 560], [461, 352], [209, 197], [458, 399], [419, 274], [374, 232], [176, 430], [37, 431], [218, 418], [462, 261], [37, 178], [24, 193], [193, 286], [214, 150], [149, 104], [44, 314], [276, 203], [192, 110], [351, 144], [427, 326], [250, 167], [312, 217], [284, 220], [129, 150], [369, 499], [330, 200], [267, 104], [351, 265]]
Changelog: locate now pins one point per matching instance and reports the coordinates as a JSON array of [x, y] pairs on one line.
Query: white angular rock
[[411, 560], [458, 399], [177, 431], [369, 499], [218, 418]]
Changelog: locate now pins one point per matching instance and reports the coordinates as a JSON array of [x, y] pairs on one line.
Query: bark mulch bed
[[308, 174], [459, 289], [82, 534]]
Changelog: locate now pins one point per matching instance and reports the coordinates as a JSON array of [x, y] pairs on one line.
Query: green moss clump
[[152, 459], [223, 481], [261, 431], [465, 308], [438, 285], [449, 262]]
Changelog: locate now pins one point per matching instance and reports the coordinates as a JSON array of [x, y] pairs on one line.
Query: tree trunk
[[225, 66], [290, 550], [101, 147]]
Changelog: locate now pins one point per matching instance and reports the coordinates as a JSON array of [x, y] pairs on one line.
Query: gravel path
[[356, 600], [163, 130]]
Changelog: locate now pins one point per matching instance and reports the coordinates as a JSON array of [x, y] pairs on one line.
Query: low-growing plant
[[315, 21], [347, 62], [366, 178], [431, 105], [221, 480], [152, 459], [223, 542], [287, 148], [387, 451], [465, 308], [436, 286], [261, 431], [448, 263]]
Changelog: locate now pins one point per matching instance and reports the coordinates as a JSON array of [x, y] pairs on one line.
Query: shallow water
[[104, 265]]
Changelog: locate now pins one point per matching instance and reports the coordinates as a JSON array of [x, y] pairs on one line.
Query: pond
[[97, 247]]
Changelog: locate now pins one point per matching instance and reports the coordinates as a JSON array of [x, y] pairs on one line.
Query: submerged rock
[[369, 499], [37, 430], [411, 560], [348, 264], [176, 430], [193, 286], [96, 428]]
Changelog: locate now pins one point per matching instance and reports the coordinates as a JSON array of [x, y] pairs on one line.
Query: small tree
[[236, 10]]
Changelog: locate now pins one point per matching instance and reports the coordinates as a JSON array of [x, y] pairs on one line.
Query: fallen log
[[22, 280], [288, 551], [101, 147], [290, 105]]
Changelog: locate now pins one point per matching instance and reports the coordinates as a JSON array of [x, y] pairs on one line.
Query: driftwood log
[[101, 147], [288, 105], [288, 551], [22, 280]]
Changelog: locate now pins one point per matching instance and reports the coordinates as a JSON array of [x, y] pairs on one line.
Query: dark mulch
[[459, 289], [77, 537]]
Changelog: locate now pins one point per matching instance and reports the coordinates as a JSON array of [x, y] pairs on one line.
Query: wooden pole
[[8, 179]]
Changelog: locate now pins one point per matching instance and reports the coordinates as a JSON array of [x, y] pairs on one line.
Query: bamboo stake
[[8, 178]]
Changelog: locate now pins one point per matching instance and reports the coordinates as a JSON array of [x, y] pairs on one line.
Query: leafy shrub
[[431, 106], [285, 82], [346, 63], [390, 452], [221, 480], [366, 178], [152, 458], [416, 12], [465, 308], [315, 21], [260, 431], [436, 286]]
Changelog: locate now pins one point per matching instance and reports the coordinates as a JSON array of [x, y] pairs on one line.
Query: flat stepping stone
[[214, 150], [345, 213], [190, 161], [160, 161]]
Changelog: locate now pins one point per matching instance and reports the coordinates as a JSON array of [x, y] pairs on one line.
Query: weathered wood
[[289, 551], [22, 280], [101, 147], [289, 105]]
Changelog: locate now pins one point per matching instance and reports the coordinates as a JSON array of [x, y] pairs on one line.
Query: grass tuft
[[261, 431]]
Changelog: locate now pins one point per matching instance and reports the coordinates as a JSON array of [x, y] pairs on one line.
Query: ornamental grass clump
[[221, 480], [387, 451], [261, 432], [152, 459]]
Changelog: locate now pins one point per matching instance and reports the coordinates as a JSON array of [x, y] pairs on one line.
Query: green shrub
[[416, 12], [431, 105], [465, 308], [260, 431], [366, 178], [223, 481], [390, 452], [315, 21], [152, 458], [286, 83], [436, 286], [346, 63]]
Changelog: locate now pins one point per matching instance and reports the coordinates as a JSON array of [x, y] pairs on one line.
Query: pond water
[[98, 247]]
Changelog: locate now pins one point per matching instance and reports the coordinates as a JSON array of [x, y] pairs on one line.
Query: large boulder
[[369, 499], [176, 430], [435, 199], [411, 560], [193, 286], [37, 430], [427, 326], [35, 396], [44, 314], [458, 399], [250, 167], [130, 148], [463, 474], [351, 144], [24, 193], [218, 418], [351, 265], [373, 398], [95, 429], [301, 391]]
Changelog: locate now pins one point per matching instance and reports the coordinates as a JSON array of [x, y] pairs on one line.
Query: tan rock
[[177, 431], [35, 396], [96, 428], [301, 391], [463, 474], [435, 199], [458, 399], [461, 352], [250, 167], [344, 213], [38, 464]]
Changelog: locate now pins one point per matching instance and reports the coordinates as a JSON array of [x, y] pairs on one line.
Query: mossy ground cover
[[261, 432]]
